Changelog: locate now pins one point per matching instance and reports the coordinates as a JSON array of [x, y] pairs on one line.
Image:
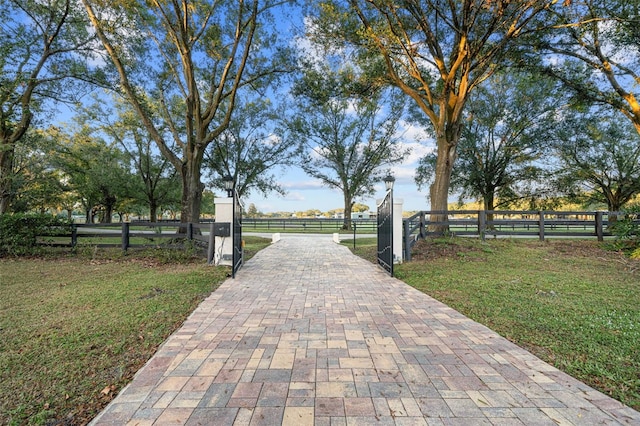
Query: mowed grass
[[571, 303], [74, 330]]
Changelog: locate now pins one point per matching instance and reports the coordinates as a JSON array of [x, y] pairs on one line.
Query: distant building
[[360, 215]]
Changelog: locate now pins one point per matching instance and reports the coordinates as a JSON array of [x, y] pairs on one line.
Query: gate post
[[407, 240], [599, 226], [125, 236], [223, 252], [212, 242], [397, 229], [482, 224]]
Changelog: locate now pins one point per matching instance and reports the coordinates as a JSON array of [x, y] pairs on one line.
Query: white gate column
[[223, 254]]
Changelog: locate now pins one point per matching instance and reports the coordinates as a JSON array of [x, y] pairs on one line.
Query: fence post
[[125, 236], [423, 226], [354, 233], [482, 223], [212, 239], [407, 237], [599, 227], [189, 231], [74, 235], [541, 225]]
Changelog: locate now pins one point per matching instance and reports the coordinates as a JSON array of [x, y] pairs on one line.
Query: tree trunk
[[108, 212], [153, 211], [489, 206], [439, 190], [614, 206], [6, 172], [348, 205], [191, 192], [109, 204]]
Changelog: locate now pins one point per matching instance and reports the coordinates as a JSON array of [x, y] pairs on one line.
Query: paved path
[[309, 334]]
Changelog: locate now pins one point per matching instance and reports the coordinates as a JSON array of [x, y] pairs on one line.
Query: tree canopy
[[196, 90], [508, 126], [346, 140], [181, 66], [599, 157], [250, 149], [45, 50], [593, 47], [437, 52]]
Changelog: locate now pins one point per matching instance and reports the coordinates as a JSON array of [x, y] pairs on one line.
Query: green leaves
[[18, 232], [600, 158]]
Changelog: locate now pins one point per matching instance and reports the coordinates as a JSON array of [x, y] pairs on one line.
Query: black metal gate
[[237, 236], [385, 233]]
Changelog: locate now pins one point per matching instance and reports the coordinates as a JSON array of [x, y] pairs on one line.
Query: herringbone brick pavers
[[308, 334]]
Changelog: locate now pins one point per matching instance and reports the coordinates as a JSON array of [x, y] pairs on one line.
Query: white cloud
[[410, 132], [417, 152], [302, 185], [403, 174], [294, 196]]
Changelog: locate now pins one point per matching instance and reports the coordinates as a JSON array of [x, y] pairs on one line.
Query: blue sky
[[305, 193]]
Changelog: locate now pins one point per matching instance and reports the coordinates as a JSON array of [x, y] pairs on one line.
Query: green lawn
[[74, 329], [571, 303]]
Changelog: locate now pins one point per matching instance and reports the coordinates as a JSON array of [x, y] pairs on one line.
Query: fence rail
[[128, 235], [304, 225], [525, 223], [147, 234]]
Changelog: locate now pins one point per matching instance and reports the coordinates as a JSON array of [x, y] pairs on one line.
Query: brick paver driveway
[[309, 334]]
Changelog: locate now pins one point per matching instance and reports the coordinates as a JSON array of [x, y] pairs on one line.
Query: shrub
[[19, 232], [627, 230]]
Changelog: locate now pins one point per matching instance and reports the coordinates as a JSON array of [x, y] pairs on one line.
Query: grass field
[[75, 329], [571, 303]]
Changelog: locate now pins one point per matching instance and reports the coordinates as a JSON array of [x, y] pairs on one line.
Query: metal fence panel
[[385, 234], [237, 236]]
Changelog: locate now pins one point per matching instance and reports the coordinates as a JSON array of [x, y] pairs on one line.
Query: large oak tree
[[507, 131], [181, 64], [436, 51], [599, 159], [346, 140]]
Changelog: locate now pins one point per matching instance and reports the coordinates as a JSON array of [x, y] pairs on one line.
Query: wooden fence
[[521, 223], [128, 235]]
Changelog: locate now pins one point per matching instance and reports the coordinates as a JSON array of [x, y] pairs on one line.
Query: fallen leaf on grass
[[108, 390]]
